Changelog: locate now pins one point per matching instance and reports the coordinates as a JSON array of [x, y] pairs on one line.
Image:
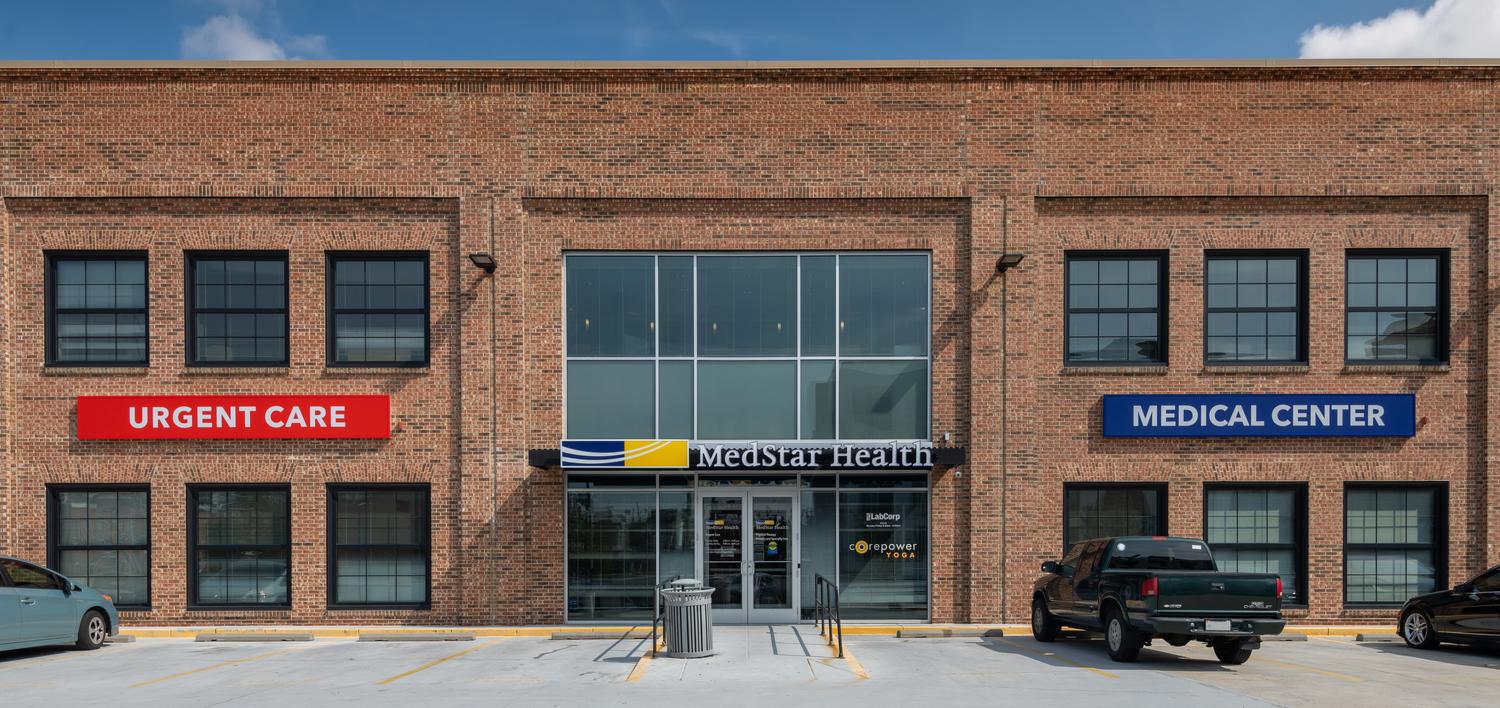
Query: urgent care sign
[[232, 417]]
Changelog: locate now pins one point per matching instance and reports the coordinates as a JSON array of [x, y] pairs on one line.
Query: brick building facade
[[1321, 162]]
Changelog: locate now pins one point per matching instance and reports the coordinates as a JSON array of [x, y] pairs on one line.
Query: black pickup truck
[[1138, 588]]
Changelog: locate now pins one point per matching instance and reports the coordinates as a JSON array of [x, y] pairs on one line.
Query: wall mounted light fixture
[[484, 261], [1008, 261]]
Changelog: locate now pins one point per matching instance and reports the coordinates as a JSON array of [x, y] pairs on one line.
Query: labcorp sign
[[233, 417]]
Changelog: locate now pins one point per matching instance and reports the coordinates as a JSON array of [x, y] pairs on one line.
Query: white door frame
[[748, 613]]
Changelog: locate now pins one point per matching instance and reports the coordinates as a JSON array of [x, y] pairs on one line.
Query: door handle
[[28, 601]]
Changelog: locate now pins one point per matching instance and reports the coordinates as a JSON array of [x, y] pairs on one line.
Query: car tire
[[1233, 653], [1416, 629], [1124, 644], [1044, 626], [92, 630]]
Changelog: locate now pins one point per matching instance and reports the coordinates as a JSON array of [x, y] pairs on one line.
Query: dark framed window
[[1255, 307], [1260, 528], [1116, 308], [237, 308], [1103, 510], [377, 309], [1396, 306], [240, 538], [101, 537], [380, 549], [1395, 542], [96, 308]]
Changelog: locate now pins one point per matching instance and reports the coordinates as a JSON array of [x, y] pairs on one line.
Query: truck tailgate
[[1202, 593]]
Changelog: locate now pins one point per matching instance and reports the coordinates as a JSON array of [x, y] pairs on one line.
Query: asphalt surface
[[755, 666]]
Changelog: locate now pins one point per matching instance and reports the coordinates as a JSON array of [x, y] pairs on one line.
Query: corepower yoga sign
[[233, 417], [1259, 415]]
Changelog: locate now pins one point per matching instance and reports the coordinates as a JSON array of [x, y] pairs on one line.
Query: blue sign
[[1260, 415]]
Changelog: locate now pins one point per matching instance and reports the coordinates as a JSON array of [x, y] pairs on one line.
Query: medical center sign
[[1259, 415], [233, 417]]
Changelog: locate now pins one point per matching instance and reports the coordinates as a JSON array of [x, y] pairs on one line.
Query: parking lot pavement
[[758, 666]]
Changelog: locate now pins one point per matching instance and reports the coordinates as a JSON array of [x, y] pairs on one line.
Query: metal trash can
[[689, 619]]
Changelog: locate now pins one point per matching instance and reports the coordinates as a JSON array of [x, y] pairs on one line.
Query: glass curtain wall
[[748, 346]]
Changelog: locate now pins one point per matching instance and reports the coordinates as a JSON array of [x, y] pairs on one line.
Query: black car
[[1469, 614]]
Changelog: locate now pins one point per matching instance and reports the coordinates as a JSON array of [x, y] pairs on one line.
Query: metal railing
[[659, 612], [826, 612]]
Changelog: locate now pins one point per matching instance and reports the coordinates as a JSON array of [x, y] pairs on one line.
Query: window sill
[[96, 370], [277, 609], [1255, 368], [236, 371], [1121, 370], [379, 608], [376, 370], [1395, 369]]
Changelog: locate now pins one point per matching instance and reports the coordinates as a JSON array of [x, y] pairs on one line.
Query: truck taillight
[[1278, 587], [1148, 588]]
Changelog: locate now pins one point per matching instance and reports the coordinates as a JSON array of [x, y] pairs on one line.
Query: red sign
[[232, 417]]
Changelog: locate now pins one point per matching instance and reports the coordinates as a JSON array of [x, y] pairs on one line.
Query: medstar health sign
[[1259, 415]]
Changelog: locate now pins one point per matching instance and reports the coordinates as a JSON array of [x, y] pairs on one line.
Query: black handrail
[[659, 611], [826, 612]]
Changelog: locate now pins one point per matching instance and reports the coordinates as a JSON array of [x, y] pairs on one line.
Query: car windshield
[[1160, 555]]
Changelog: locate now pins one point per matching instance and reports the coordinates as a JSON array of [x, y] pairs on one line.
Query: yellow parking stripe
[[1311, 669], [231, 662], [639, 669], [435, 662], [1058, 657], [855, 667]]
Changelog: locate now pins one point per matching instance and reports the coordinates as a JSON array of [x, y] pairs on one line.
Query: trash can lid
[[685, 583]]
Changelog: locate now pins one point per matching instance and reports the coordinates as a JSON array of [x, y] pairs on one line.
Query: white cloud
[[1447, 29], [232, 36]]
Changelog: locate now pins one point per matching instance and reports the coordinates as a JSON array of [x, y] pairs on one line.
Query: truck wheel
[[1044, 626], [1416, 629], [1124, 643], [1233, 653], [92, 630]]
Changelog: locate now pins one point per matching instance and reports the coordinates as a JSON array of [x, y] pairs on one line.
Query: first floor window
[[1102, 511], [101, 538], [381, 545], [1259, 529], [242, 547], [1393, 542]]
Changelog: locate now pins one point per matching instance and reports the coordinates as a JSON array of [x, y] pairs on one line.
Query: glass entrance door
[[749, 554]]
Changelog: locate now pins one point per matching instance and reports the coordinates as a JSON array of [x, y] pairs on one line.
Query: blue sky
[[742, 29]]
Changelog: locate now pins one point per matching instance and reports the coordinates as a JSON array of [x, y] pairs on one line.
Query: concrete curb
[[1284, 638], [258, 637], [939, 633], [119, 639], [416, 637], [572, 636]]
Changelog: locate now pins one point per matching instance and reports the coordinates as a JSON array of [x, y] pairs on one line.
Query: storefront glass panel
[[611, 555], [883, 554]]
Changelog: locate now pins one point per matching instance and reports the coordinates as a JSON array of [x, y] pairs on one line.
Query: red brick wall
[[527, 163]]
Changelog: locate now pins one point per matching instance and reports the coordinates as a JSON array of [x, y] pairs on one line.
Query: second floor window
[[237, 314], [1396, 307], [378, 313], [1254, 308], [1115, 309], [97, 309]]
